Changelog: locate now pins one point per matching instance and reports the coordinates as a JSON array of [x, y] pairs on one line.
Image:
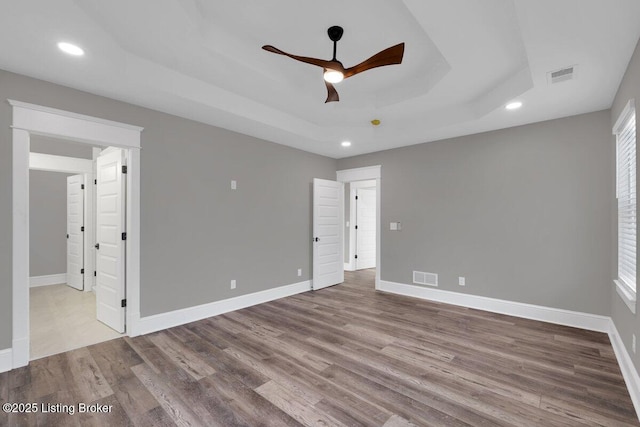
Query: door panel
[[328, 265], [75, 235], [366, 231], [110, 224]]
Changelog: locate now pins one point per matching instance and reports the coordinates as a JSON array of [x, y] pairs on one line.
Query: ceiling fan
[[334, 71]]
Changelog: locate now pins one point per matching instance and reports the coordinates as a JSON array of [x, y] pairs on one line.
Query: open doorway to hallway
[[62, 310], [360, 243]]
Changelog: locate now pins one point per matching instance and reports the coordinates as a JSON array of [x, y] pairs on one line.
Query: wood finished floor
[[340, 356]]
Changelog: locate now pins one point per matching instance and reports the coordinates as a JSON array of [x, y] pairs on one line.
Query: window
[[625, 131]]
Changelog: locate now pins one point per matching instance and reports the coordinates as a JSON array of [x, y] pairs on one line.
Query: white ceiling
[[202, 59]]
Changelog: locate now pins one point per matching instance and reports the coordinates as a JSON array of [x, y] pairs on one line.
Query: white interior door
[[328, 265], [110, 226], [75, 231], [365, 228]]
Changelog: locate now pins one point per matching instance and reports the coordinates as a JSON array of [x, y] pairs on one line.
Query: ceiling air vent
[[562, 75]]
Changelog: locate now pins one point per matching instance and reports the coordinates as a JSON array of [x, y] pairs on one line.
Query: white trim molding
[[592, 322], [41, 120], [629, 372], [31, 119], [626, 294], [6, 361], [359, 174], [52, 163], [170, 319], [628, 110], [50, 279]]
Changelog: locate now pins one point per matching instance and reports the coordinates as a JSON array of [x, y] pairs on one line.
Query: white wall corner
[[6, 360], [50, 279], [629, 372], [170, 319], [20, 352]]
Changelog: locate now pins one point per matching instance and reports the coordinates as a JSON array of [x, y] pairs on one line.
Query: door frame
[[363, 174], [31, 119], [85, 167]]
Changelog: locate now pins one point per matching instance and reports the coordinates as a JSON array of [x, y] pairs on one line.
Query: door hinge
[[95, 182], [82, 186], [356, 256], [97, 246], [95, 273], [82, 271], [356, 227], [356, 197], [123, 303], [124, 168], [82, 228], [67, 236], [124, 236]]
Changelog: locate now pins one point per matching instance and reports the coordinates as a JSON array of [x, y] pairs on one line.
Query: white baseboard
[[629, 371], [179, 317], [51, 279], [592, 322], [6, 360]]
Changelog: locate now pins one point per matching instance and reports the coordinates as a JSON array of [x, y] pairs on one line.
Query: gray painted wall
[[59, 147], [523, 213], [196, 233], [47, 223], [626, 322]]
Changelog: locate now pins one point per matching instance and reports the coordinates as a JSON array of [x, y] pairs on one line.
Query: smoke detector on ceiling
[[562, 75]]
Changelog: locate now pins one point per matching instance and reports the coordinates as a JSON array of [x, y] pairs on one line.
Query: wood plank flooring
[[342, 356]]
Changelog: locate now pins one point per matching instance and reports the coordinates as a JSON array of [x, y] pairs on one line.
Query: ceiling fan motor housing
[[335, 33]]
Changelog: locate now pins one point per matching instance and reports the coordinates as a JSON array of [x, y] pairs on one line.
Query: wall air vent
[[422, 278], [562, 75]]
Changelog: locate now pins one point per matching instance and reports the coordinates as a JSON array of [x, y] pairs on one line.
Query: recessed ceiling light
[[71, 49], [346, 144], [513, 105]]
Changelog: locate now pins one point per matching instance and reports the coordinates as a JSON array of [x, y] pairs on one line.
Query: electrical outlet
[[461, 281], [633, 342], [233, 284], [299, 272]]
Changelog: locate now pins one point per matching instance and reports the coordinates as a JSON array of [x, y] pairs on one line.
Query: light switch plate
[[233, 284], [234, 185], [393, 226]]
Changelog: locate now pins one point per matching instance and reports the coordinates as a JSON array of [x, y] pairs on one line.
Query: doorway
[[62, 187], [360, 227], [32, 120], [363, 183]]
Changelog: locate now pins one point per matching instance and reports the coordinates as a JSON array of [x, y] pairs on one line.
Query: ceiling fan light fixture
[[333, 76]]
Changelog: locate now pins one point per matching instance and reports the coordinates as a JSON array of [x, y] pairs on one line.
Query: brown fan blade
[[332, 93], [389, 56], [334, 65]]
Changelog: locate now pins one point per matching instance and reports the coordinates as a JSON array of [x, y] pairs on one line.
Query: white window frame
[[626, 291]]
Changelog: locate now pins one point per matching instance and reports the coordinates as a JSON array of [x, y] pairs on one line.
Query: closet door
[[75, 231]]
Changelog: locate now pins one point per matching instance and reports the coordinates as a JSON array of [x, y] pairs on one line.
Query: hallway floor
[[63, 319]]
